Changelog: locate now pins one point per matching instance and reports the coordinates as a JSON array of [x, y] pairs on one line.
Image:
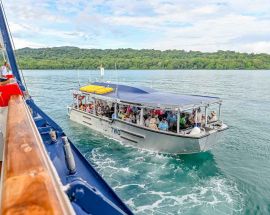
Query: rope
[[9, 32]]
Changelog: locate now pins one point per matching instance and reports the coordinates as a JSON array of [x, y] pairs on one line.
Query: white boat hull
[[145, 138]]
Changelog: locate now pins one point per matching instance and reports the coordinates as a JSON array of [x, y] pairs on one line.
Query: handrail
[[29, 181]]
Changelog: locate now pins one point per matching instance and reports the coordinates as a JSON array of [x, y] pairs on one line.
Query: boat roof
[[149, 97]]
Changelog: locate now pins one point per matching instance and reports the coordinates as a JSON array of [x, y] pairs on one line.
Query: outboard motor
[[195, 131]]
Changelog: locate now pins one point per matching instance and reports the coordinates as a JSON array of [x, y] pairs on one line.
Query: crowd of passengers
[[153, 118]]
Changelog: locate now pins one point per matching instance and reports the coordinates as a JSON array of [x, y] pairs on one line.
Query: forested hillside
[[76, 58]]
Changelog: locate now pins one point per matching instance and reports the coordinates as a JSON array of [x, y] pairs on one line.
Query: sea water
[[233, 178]]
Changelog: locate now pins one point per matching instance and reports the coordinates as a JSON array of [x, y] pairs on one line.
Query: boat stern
[[213, 138]]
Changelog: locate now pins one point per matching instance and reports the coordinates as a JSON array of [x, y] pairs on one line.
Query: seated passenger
[[121, 114], [153, 123], [203, 120], [163, 125], [191, 118], [172, 120], [88, 108], [212, 117], [127, 118], [147, 121], [114, 116], [107, 111], [158, 112], [99, 110], [157, 119], [132, 117], [129, 109], [182, 121], [81, 107], [134, 109]]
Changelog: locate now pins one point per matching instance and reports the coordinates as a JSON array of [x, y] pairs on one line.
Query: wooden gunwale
[[29, 185]]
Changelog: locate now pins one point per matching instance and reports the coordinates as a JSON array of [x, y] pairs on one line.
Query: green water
[[233, 178]]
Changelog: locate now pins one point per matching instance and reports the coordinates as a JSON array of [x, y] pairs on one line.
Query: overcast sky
[[202, 25]]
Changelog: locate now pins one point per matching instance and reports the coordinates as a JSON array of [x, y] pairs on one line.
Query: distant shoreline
[[70, 58], [97, 70]]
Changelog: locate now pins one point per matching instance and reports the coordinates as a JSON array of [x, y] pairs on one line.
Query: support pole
[[219, 111], [141, 117], [115, 109], [178, 121], [94, 107], [206, 117], [196, 119]]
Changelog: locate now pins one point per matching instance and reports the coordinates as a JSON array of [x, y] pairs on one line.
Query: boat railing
[[29, 183]]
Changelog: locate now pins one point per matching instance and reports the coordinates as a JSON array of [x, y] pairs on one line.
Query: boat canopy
[[148, 97]]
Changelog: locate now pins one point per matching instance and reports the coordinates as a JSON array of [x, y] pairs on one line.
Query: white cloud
[[22, 43], [207, 25]]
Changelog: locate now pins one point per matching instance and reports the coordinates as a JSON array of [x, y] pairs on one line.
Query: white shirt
[[4, 70], [198, 119]]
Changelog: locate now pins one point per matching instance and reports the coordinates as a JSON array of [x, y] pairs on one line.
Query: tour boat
[[42, 171], [191, 139]]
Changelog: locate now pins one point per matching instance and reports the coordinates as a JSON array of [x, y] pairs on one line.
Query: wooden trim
[[29, 184]]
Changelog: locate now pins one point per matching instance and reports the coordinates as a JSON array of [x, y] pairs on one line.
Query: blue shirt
[[163, 126], [114, 116], [171, 118]]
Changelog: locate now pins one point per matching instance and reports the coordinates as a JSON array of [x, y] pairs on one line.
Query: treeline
[[76, 58]]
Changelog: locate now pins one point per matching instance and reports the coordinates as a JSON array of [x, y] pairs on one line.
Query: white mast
[[102, 72]]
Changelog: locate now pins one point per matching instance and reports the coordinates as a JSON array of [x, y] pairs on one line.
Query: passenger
[[114, 116], [107, 111], [153, 123], [182, 121], [132, 117], [134, 109], [88, 108], [129, 109], [121, 114], [198, 118], [112, 110], [212, 117], [81, 107], [5, 69], [91, 108], [147, 121], [163, 125], [172, 120], [191, 118], [127, 118], [203, 120], [102, 109], [158, 112], [99, 110], [157, 119]]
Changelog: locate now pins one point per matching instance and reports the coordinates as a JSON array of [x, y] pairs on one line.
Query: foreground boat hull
[[145, 138]]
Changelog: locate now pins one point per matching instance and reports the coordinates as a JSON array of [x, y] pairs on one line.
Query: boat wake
[[152, 183]]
